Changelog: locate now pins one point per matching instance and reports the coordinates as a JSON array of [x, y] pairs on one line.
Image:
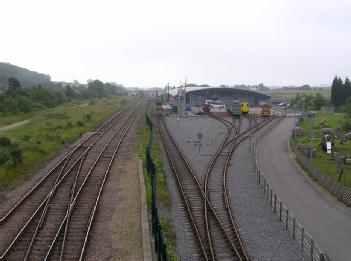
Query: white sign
[[329, 147]]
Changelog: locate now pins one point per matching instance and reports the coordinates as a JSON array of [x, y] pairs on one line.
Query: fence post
[[267, 190], [271, 197], [275, 204], [312, 245], [280, 210], [259, 177], [287, 219], [264, 186], [302, 238], [294, 228]]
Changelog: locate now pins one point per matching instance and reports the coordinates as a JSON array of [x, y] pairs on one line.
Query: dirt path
[[14, 126]]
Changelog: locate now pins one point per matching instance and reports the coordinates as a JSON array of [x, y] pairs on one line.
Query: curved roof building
[[196, 96]]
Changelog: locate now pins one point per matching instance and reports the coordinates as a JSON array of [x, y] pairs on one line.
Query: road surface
[[327, 221]]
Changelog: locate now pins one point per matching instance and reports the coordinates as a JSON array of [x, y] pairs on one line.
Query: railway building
[[197, 96]]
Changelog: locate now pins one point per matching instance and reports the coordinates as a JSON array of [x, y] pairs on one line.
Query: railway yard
[[85, 203]]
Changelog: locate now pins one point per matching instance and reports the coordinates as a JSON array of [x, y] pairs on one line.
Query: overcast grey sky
[[150, 43]]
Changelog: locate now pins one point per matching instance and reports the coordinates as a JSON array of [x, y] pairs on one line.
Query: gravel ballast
[[263, 235]]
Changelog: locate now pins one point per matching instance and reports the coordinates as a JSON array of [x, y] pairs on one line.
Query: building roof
[[174, 91]]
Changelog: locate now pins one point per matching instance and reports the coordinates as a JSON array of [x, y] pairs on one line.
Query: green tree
[[337, 92], [96, 88], [319, 101], [348, 107], [69, 92], [14, 85], [347, 89]]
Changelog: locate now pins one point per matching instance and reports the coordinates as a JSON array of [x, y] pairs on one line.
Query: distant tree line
[[16, 99], [340, 91], [309, 101]]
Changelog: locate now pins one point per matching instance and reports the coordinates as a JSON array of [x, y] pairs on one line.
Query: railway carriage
[[245, 108], [236, 109], [265, 111]]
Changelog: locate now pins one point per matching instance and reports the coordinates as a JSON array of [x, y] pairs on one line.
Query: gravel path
[[264, 237]]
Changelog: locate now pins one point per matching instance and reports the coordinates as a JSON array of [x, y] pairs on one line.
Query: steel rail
[[194, 176], [183, 194], [240, 251], [72, 204], [206, 184], [66, 157], [55, 187], [91, 220]]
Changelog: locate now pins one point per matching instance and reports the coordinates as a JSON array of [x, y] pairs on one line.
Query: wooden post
[[275, 203]]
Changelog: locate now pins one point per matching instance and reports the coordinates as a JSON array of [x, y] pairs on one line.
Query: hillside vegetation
[[25, 77], [23, 150]]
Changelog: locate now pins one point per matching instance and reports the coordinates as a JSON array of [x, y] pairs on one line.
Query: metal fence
[[160, 245], [298, 232], [339, 190]]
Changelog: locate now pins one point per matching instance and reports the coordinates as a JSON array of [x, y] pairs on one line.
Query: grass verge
[[163, 197]]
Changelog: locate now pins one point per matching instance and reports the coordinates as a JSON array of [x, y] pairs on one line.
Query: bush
[[87, 116], [80, 123], [26, 137], [10, 157], [4, 141], [347, 125]]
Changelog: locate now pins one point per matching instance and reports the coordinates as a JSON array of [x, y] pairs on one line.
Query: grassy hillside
[[25, 76]]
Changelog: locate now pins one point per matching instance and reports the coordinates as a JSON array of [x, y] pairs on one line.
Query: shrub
[[69, 125], [4, 141], [26, 137], [80, 123], [347, 125], [87, 116]]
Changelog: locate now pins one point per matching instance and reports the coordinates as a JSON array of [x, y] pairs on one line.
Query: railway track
[[209, 209], [53, 220], [216, 190], [193, 197]]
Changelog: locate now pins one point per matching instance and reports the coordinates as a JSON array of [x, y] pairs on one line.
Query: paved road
[[328, 221]]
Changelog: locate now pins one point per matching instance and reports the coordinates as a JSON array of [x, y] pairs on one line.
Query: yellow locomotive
[[245, 107], [265, 111]]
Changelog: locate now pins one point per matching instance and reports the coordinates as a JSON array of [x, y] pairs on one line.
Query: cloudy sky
[[150, 43]]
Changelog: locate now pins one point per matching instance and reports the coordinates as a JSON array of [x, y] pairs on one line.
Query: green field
[[49, 130], [323, 162], [289, 94]]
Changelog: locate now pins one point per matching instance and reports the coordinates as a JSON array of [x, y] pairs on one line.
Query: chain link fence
[[160, 244], [298, 232]]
